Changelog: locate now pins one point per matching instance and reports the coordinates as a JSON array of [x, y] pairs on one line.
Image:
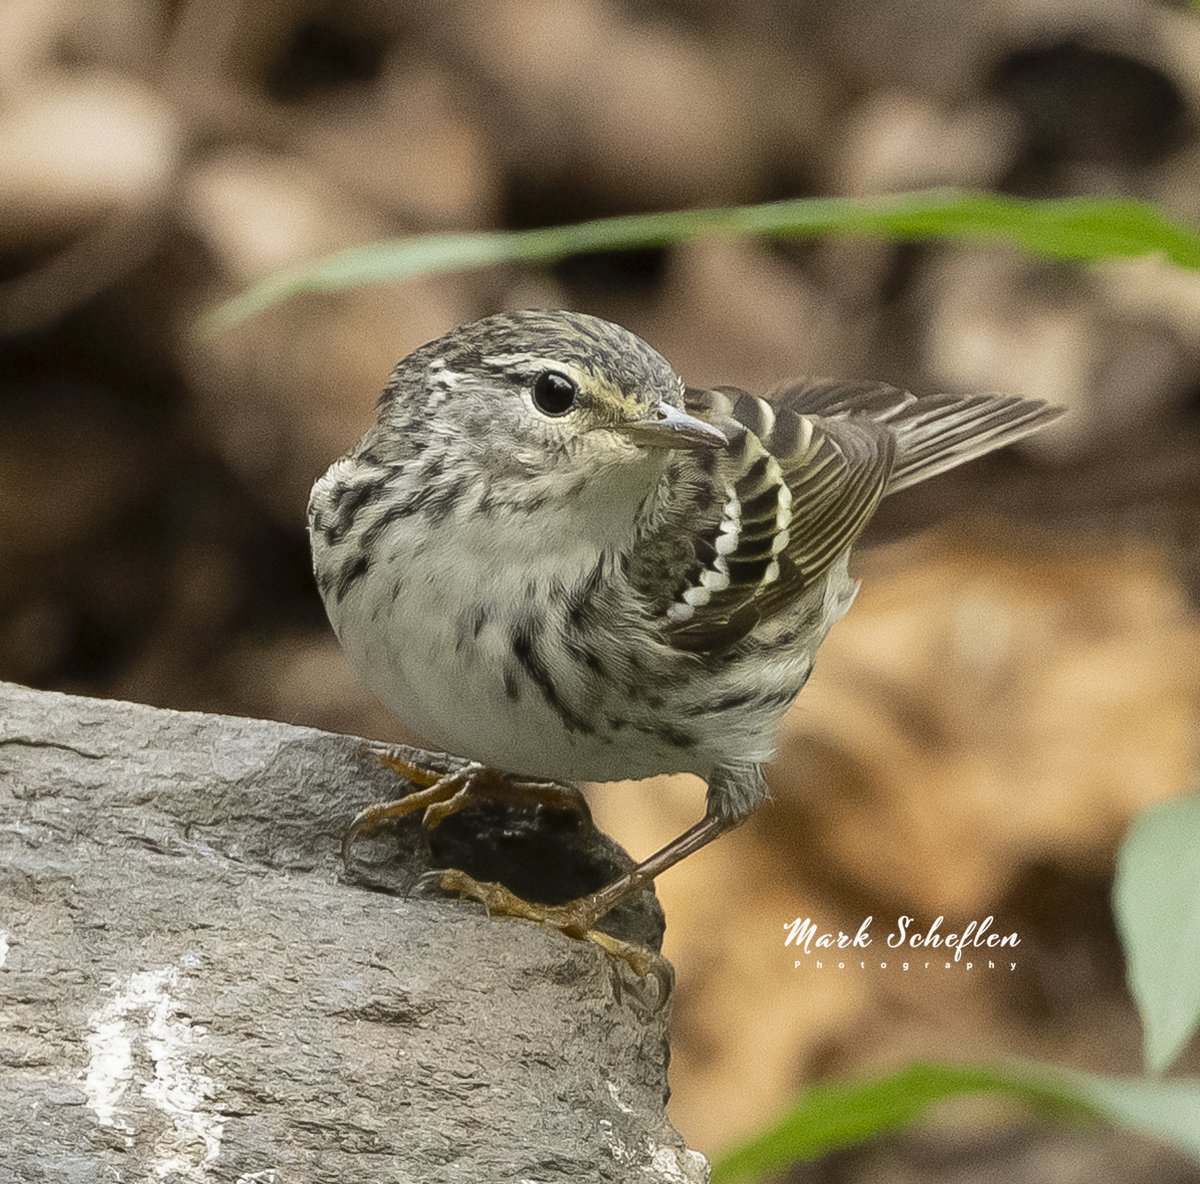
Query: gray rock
[[190, 990]]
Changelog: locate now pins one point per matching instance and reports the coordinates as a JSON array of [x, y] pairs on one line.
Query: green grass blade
[[1071, 228], [1156, 898], [842, 1114]]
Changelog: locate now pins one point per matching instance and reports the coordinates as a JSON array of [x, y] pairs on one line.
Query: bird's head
[[542, 394]]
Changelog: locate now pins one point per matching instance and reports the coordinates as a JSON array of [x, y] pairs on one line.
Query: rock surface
[[191, 991]]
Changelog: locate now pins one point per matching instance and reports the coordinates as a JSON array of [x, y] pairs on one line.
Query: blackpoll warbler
[[551, 557]]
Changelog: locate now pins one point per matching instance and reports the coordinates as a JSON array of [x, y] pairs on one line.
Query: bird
[[553, 559]]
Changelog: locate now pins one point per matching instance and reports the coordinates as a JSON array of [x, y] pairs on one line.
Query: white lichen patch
[[656, 1164], [3, 948], [617, 1146], [671, 1167], [110, 1061], [141, 1027], [615, 1094]]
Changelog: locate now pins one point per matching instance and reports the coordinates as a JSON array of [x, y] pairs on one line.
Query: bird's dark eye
[[554, 393]]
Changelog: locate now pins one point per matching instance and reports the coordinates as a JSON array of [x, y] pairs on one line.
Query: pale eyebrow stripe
[[513, 359], [525, 363]]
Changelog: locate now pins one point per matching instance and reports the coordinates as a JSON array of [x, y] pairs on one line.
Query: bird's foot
[[576, 919], [444, 794]]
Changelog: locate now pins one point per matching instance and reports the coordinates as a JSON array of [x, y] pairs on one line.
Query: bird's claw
[[443, 794], [575, 920]]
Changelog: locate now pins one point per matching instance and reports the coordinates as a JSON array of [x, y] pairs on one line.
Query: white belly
[[430, 631]]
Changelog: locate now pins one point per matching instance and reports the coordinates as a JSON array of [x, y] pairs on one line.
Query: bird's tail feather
[[937, 433], [933, 433]]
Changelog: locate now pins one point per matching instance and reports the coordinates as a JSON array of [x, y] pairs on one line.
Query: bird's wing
[[765, 519]]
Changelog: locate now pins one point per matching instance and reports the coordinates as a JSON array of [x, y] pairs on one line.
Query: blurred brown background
[[1012, 685]]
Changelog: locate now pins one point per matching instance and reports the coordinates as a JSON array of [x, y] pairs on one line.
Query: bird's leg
[[732, 796], [578, 918], [444, 794]]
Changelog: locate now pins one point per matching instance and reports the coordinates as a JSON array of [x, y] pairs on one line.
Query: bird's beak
[[668, 427]]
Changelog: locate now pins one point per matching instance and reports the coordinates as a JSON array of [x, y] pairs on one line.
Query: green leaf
[[1070, 228], [843, 1114], [1157, 903]]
